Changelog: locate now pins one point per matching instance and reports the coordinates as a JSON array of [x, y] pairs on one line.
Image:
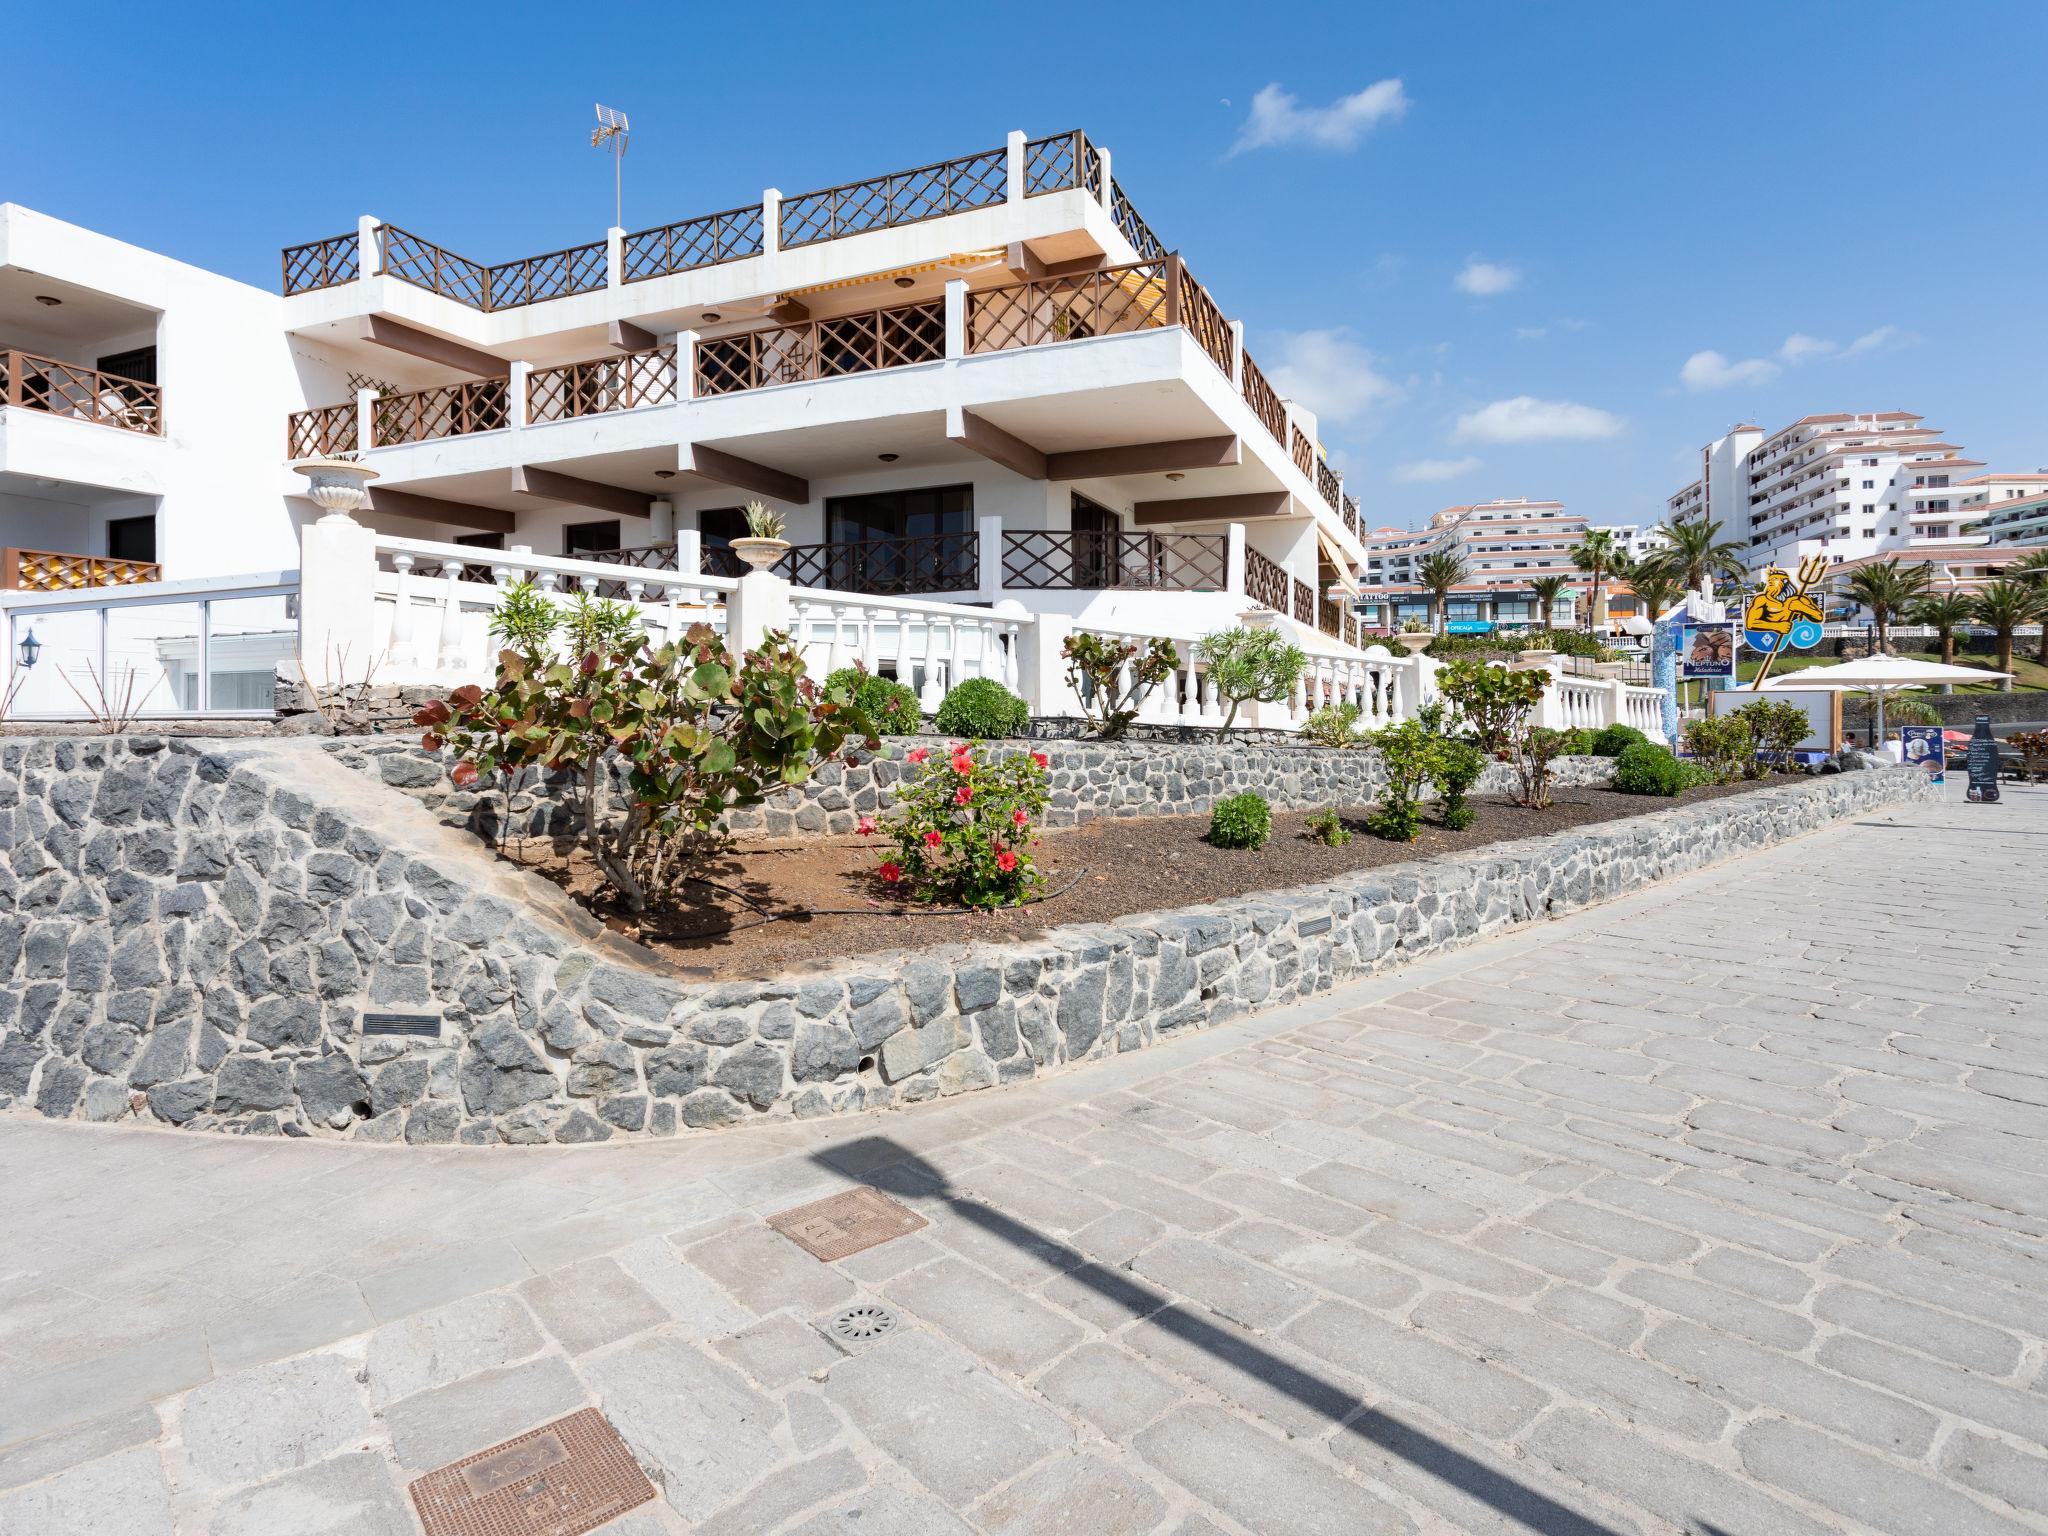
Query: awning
[[961, 262]]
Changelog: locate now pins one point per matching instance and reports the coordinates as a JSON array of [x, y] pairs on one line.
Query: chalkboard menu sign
[[1983, 762]]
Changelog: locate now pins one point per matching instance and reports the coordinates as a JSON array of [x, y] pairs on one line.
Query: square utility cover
[[562, 1479], [842, 1225]]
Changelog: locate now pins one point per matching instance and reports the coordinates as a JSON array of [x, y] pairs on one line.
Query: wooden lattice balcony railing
[[1124, 214], [1304, 454], [1264, 400], [901, 197], [535, 279], [1062, 162], [1330, 620], [449, 410], [1326, 483], [322, 263], [1304, 603], [42, 570], [822, 349], [1049, 309], [1048, 560], [424, 264], [1351, 515], [701, 242], [1265, 583], [32, 383], [620, 383], [322, 432], [939, 562], [1204, 319]]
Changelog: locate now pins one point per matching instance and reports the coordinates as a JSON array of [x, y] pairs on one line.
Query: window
[[717, 527], [479, 541], [588, 538], [139, 365], [132, 538], [1870, 485], [914, 513]]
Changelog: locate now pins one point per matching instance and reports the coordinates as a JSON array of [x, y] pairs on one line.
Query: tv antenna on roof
[[611, 129]]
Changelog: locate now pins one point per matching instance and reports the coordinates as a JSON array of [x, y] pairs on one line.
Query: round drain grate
[[866, 1321]]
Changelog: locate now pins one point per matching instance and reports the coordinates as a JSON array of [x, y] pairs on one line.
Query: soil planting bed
[[1097, 872]]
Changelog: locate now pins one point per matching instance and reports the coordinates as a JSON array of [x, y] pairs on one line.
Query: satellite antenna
[[611, 129]]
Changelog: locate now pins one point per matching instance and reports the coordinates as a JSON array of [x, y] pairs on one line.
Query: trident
[[1811, 571]]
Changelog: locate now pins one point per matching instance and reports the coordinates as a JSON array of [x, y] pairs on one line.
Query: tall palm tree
[[1548, 590], [2003, 606], [1693, 551], [2034, 568], [1944, 613], [1438, 573], [1656, 587], [1597, 555], [1888, 589]]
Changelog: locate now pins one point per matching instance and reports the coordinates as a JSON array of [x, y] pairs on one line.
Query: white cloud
[[1332, 375], [1870, 341], [1800, 348], [1486, 278], [1525, 419], [1425, 471], [1279, 118], [1712, 370], [1531, 332]]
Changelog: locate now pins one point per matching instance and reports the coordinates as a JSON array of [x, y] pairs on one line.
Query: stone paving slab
[[1720, 1208]]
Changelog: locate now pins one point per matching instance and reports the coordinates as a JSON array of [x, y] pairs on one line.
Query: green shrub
[[1613, 740], [982, 709], [1328, 828], [1578, 742], [1493, 702], [1248, 666], [1334, 725], [1777, 727], [1505, 647], [1409, 752], [1454, 768], [1644, 768], [1241, 821], [1725, 747], [890, 707]]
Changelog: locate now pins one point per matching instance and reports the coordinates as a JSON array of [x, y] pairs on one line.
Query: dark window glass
[[139, 365], [131, 538], [584, 538], [717, 527], [899, 514]]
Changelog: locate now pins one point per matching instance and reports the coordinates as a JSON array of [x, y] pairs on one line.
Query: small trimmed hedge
[[982, 709], [1613, 740], [888, 704], [1241, 821], [1647, 769]]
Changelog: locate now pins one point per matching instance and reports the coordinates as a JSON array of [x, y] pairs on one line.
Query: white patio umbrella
[[1880, 676]]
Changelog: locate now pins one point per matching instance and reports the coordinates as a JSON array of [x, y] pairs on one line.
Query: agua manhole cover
[[562, 1479], [842, 1225], [863, 1322]]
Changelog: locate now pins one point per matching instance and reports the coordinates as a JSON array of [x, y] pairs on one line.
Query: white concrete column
[[759, 603], [366, 419], [988, 532], [1108, 198], [1614, 704], [956, 317], [518, 395], [1042, 665], [1233, 559], [689, 552], [614, 257], [1016, 147], [661, 520], [337, 600], [1237, 355], [686, 367], [771, 222], [367, 262]]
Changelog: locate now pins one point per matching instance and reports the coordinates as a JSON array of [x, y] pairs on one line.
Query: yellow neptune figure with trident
[[1785, 615]]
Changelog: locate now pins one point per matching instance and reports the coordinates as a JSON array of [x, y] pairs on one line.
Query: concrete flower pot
[[760, 553]]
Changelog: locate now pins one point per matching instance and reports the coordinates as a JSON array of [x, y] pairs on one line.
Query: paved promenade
[[1721, 1209]]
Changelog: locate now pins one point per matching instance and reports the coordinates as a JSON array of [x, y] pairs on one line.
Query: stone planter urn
[[1415, 644], [1533, 658], [1610, 669], [760, 553], [338, 486]]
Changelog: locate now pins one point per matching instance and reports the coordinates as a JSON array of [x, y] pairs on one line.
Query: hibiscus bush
[[963, 826], [693, 732]]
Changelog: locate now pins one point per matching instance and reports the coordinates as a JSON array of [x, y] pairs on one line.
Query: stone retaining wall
[[192, 933], [1090, 779]]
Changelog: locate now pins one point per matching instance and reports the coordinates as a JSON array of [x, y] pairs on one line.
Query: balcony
[[42, 570], [32, 383]]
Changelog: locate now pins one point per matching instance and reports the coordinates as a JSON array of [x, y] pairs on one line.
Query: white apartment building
[[2005, 509], [1842, 486], [980, 381], [1505, 545]]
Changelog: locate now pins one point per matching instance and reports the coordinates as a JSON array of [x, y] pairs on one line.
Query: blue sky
[[1506, 250]]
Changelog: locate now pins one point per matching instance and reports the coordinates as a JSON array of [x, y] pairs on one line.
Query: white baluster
[[836, 658], [548, 581], [401, 611], [906, 671], [451, 617], [935, 683], [1191, 690]]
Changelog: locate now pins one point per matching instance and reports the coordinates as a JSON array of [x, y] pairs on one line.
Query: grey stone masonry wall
[[1090, 779], [192, 934]]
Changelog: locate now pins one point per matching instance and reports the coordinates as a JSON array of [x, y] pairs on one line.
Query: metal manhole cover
[[562, 1479], [866, 1321], [840, 1226]]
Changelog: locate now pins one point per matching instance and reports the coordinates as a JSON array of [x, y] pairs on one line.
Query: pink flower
[[933, 839], [962, 763], [865, 826], [916, 755], [1039, 758], [890, 873], [1006, 861], [963, 794], [1018, 818]]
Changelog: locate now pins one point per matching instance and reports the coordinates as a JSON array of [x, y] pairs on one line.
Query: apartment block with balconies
[[984, 379], [1505, 544]]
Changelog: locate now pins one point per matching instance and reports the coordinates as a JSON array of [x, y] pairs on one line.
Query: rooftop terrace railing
[[901, 197]]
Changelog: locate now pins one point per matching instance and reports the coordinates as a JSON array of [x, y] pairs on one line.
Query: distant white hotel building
[[1505, 544]]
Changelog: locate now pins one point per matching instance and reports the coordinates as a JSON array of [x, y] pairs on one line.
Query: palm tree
[[1888, 589], [1439, 572], [2034, 568], [1944, 613], [1693, 551], [1597, 555], [2003, 606], [1548, 590], [1657, 588]]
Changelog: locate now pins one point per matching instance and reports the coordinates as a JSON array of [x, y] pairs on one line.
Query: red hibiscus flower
[[1040, 758], [916, 755], [962, 764], [865, 826], [963, 794], [933, 839], [890, 873], [1018, 819], [1006, 861]]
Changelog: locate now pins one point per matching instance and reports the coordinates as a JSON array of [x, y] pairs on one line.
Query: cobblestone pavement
[[1723, 1208]]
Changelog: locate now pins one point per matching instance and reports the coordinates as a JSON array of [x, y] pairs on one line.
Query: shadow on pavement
[[896, 1170]]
